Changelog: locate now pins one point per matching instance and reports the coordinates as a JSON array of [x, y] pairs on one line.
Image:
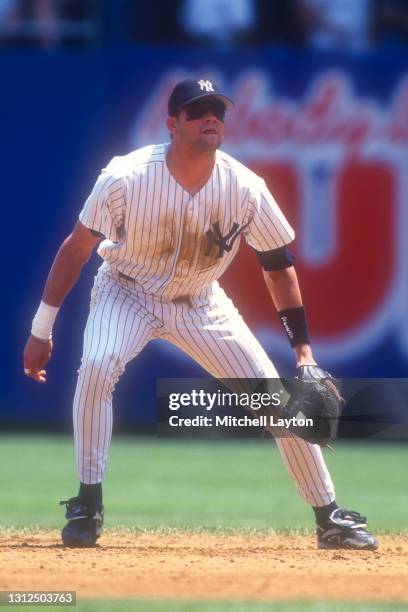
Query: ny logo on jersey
[[207, 85], [224, 243]]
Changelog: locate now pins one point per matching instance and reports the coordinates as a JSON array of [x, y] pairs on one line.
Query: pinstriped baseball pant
[[123, 320]]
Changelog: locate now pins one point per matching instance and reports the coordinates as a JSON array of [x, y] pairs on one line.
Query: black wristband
[[295, 323]]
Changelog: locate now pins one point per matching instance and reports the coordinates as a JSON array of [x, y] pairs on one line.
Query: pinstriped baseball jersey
[[162, 243], [171, 242]]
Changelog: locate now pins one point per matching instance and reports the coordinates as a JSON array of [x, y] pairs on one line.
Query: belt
[[181, 299], [125, 277]]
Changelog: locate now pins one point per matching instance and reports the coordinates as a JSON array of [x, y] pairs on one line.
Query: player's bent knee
[[108, 364]]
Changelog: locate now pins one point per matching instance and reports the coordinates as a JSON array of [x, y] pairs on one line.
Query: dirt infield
[[205, 566]]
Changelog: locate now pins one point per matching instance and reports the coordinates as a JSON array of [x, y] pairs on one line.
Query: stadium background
[[326, 127], [322, 113]]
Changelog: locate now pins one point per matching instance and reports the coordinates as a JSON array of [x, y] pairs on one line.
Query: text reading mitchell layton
[[233, 421]]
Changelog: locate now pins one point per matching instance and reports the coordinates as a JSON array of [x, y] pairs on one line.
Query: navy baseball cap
[[190, 90]]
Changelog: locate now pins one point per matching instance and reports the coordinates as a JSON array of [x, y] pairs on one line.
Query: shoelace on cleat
[[356, 516], [68, 503]]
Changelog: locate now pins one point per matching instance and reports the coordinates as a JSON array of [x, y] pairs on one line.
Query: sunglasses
[[198, 109]]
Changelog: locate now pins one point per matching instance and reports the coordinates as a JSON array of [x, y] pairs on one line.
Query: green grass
[[224, 485], [139, 605]]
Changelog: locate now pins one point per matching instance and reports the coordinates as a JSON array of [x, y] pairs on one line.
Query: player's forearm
[[69, 261], [285, 292], [65, 271], [284, 288]]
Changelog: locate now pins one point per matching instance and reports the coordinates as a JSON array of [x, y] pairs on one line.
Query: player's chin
[[211, 142]]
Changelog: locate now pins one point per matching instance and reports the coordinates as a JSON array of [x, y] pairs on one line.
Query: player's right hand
[[36, 354]]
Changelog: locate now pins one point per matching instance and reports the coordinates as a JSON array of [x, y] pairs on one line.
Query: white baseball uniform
[[163, 253]]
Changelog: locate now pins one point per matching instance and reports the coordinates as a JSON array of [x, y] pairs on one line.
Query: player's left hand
[[36, 354], [315, 395]]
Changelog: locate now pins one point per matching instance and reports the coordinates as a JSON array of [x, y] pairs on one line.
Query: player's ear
[[172, 124]]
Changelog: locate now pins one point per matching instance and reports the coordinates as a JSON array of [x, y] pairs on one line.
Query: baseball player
[[168, 219]]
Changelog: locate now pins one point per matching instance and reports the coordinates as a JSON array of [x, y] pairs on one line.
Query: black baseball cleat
[[84, 523], [345, 529]]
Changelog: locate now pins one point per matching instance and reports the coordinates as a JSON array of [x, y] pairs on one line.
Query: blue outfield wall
[[328, 133]]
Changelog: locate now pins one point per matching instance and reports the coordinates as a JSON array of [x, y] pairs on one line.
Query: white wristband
[[43, 321]]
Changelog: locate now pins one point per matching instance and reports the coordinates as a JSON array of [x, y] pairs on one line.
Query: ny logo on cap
[[207, 85]]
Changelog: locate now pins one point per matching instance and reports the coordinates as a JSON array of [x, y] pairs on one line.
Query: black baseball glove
[[314, 395]]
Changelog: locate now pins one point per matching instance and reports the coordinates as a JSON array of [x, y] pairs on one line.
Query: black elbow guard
[[277, 259]]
